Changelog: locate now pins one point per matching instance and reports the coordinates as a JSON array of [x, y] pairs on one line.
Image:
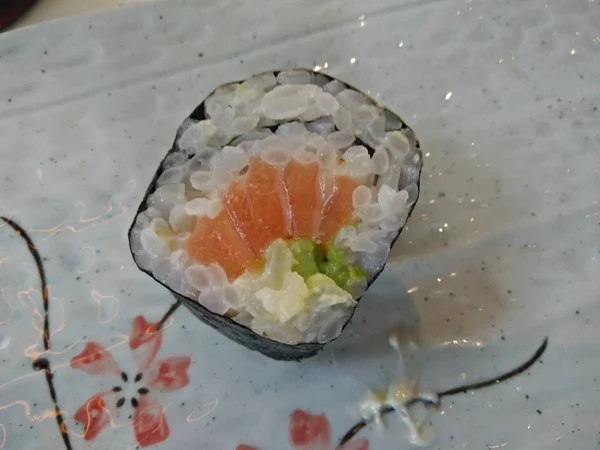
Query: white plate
[[501, 251]]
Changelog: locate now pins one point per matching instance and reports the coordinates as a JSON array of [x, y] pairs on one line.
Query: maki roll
[[276, 208]]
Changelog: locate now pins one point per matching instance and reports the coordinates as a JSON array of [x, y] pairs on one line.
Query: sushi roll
[[276, 208]]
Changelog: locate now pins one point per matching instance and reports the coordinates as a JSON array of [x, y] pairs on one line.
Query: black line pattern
[[499, 379], [174, 307], [44, 363], [457, 390]]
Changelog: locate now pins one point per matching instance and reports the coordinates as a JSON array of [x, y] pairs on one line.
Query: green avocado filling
[[307, 255], [310, 260]]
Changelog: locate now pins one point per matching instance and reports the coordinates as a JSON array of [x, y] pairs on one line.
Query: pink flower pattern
[[306, 431], [313, 432], [164, 375]]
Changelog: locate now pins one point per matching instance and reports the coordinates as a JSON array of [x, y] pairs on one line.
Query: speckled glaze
[[501, 250]]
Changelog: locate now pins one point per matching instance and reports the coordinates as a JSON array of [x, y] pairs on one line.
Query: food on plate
[[276, 208]]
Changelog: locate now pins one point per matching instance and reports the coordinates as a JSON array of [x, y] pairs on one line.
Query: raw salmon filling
[[280, 205], [295, 200]]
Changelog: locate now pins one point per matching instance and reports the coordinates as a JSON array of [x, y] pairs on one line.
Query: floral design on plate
[[154, 376], [312, 432]]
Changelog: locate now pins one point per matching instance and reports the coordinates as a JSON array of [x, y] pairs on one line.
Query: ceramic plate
[[501, 251]]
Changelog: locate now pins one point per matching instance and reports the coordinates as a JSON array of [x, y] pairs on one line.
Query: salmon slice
[[337, 207], [265, 192], [301, 190], [239, 207], [217, 241], [255, 208]]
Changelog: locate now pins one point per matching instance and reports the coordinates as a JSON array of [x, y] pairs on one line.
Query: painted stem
[[43, 363], [457, 390]]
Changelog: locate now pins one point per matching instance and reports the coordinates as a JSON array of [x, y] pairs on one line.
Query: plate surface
[[501, 250]]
